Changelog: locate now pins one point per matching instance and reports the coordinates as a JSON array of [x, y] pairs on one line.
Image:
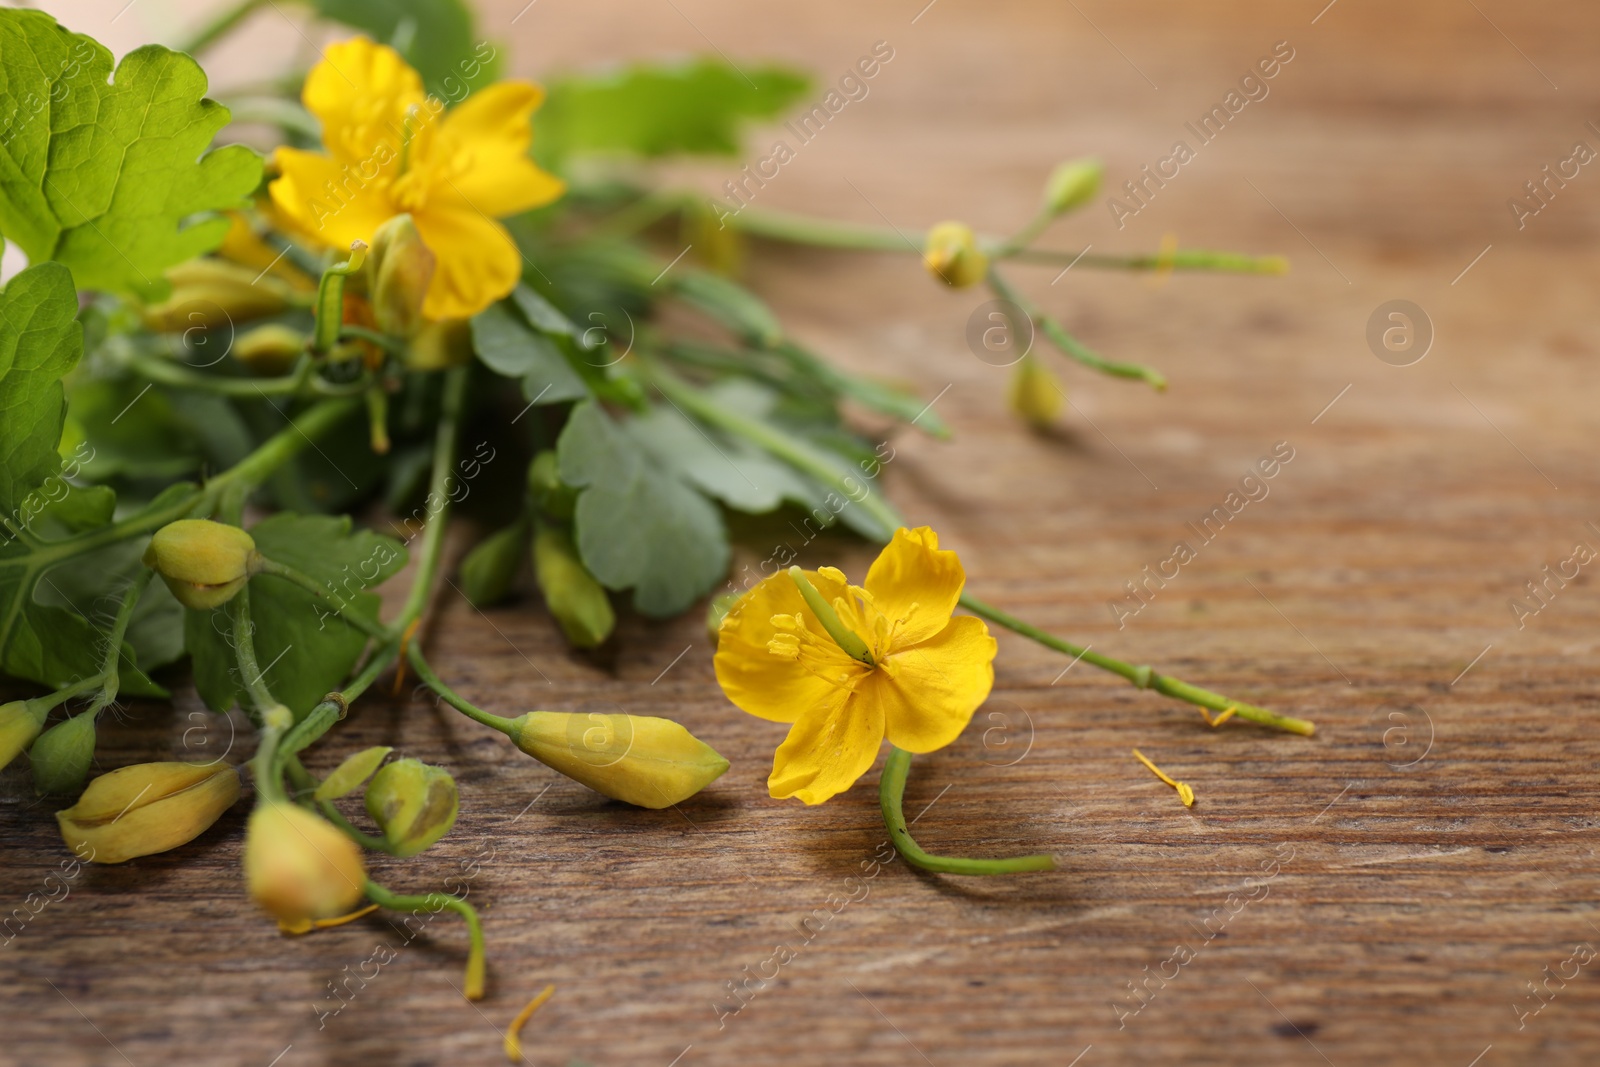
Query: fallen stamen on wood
[[514, 1032], [1185, 793]]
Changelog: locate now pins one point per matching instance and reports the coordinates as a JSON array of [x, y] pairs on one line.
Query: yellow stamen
[[305, 926], [400, 660], [514, 1033], [1185, 794], [1220, 719]]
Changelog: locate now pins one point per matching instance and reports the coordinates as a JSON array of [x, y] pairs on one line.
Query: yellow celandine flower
[[923, 674], [392, 150]]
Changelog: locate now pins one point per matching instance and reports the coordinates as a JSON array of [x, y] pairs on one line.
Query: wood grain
[[1435, 842]]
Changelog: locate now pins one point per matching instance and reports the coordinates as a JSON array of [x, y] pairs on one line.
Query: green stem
[[345, 610], [891, 792], [392, 345], [220, 26], [1141, 677], [277, 450], [1025, 236], [1069, 344], [791, 450], [444, 451], [303, 380], [275, 719], [1187, 259], [330, 300], [110, 671], [454, 699], [433, 902]]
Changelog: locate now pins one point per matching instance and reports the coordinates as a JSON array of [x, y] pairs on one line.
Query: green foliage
[[437, 37], [489, 569], [105, 174], [650, 110], [639, 526], [304, 648], [523, 338]]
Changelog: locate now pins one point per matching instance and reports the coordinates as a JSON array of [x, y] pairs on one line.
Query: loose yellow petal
[[772, 687], [361, 93], [827, 750], [934, 688], [913, 581], [483, 152], [478, 262], [513, 1043]]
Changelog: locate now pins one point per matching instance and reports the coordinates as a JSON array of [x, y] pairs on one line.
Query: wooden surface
[[1436, 839]]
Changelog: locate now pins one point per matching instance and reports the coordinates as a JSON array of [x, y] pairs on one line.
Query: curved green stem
[[302, 381], [274, 718], [1069, 344], [392, 345], [1141, 677], [111, 672], [466, 707], [368, 626], [444, 451], [433, 902], [891, 791]]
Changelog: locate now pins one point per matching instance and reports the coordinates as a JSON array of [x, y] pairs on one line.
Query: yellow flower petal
[[478, 263], [769, 686], [829, 748], [930, 691], [360, 92], [325, 202], [482, 152], [914, 581]]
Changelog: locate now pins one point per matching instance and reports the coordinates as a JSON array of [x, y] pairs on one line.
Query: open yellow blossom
[[916, 678], [392, 150]]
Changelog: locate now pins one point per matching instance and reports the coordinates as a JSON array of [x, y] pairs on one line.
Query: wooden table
[[1382, 893]]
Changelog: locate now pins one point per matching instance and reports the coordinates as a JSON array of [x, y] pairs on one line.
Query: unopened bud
[[414, 803], [952, 255], [212, 293], [638, 759], [204, 563], [298, 866], [399, 269], [269, 349], [488, 570], [552, 496], [437, 345], [147, 808], [62, 754], [578, 602], [1072, 185], [20, 723], [1034, 394]]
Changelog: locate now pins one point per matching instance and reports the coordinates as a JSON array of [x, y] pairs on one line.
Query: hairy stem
[[434, 902]]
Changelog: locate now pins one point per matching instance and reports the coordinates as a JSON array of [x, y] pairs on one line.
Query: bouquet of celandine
[[438, 281]]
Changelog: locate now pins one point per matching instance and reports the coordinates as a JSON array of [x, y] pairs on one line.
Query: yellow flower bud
[[1033, 393], [437, 345], [298, 866], [20, 723], [1072, 185], [269, 349], [952, 255], [399, 269], [414, 803], [62, 754], [147, 808], [204, 563], [638, 759], [578, 602], [212, 293]]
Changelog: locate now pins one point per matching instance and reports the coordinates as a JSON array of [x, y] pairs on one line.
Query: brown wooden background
[[1427, 885]]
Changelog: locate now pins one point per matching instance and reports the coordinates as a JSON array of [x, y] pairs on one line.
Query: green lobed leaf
[[699, 107], [105, 174], [508, 344], [304, 648], [638, 525], [437, 37], [734, 471]]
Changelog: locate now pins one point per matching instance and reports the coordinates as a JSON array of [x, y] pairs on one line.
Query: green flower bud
[[62, 754], [1034, 394], [399, 269], [952, 255], [488, 570], [552, 496], [204, 563], [20, 723], [638, 759], [578, 602], [1072, 185], [414, 803], [269, 349], [720, 606], [147, 808], [212, 293]]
